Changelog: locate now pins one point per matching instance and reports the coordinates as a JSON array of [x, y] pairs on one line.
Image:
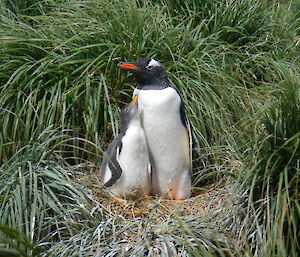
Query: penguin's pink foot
[[172, 195]]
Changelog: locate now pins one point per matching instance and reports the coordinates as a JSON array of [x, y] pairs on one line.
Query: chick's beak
[[134, 100]]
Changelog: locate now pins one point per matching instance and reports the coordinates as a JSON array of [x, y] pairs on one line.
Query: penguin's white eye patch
[[152, 64]]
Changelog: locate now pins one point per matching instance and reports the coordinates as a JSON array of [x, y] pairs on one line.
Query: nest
[[201, 201]]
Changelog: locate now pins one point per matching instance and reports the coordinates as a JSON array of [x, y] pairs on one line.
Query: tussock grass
[[40, 191], [275, 177], [236, 66]]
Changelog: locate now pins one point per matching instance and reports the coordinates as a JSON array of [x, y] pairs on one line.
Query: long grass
[[236, 66]]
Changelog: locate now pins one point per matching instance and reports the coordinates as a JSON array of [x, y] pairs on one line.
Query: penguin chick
[[126, 167]]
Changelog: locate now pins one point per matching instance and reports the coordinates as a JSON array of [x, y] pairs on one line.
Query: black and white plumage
[[167, 131], [125, 166]]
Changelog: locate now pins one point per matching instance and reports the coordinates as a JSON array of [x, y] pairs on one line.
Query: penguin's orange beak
[[127, 66], [134, 100]]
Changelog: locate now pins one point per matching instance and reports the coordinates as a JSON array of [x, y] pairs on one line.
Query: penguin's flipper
[[187, 125], [190, 144], [183, 118], [112, 153]]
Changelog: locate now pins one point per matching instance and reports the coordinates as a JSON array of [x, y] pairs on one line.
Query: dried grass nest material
[[202, 201], [148, 206]]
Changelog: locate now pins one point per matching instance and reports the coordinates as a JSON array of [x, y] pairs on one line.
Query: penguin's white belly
[[168, 142], [134, 163]]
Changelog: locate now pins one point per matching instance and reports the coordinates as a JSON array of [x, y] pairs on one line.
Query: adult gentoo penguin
[[165, 125], [125, 166]]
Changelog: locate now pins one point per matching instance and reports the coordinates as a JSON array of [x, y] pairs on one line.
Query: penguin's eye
[[149, 67], [126, 110]]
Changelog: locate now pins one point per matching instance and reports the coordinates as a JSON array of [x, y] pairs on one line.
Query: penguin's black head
[[129, 113], [147, 72]]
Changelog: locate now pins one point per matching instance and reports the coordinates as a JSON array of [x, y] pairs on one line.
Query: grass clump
[[236, 66], [40, 192], [275, 177]]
